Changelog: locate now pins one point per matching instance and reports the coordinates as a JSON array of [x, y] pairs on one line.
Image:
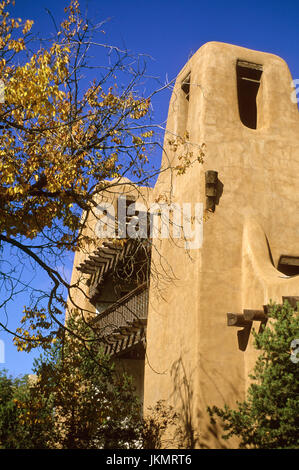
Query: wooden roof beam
[[237, 319]]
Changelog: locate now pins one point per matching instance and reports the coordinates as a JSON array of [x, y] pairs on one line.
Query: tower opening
[[248, 83], [186, 86], [183, 106], [289, 265]]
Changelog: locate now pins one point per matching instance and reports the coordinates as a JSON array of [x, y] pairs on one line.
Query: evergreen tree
[[268, 418]]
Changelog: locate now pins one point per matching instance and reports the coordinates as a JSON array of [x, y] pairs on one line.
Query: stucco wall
[[192, 357], [258, 170]]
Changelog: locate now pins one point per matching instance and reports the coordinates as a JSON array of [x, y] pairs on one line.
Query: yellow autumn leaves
[[58, 139], [32, 332]]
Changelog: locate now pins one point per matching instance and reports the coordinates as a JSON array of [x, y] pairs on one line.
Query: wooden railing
[[128, 312]]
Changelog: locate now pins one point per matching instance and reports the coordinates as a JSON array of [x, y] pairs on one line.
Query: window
[[124, 202], [289, 265], [183, 106], [186, 87], [248, 84]]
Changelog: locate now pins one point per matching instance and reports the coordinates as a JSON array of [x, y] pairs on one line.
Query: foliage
[[64, 135], [95, 405], [78, 399], [59, 141], [158, 421], [268, 418], [73, 123], [70, 129], [25, 418]]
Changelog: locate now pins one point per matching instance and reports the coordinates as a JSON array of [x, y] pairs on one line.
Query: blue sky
[[170, 31]]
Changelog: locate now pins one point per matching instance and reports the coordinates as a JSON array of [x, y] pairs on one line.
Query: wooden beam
[[249, 65], [110, 247], [237, 319], [292, 300], [289, 260], [133, 328], [85, 269], [254, 315], [124, 331], [96, 261], [139, 322], [118, 336]]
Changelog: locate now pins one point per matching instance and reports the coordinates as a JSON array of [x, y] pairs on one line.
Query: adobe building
[[185, 334]]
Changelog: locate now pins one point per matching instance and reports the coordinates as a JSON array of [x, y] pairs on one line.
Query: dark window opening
[[183, 106], [289, 265], [130, 202], [186, 87], [124, 204], [248, 83]]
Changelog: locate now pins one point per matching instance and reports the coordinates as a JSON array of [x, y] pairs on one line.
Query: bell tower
[[198, 349]]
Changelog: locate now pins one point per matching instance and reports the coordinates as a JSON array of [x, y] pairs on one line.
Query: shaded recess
[[184, 105], [118, 288], [289, 265], [186, 86], [248, 83]]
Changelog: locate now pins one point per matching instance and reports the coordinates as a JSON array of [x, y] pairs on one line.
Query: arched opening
[[248, 84], [184, 97], [289, 265]]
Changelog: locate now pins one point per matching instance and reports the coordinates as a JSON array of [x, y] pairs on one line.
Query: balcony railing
[[123, 324]]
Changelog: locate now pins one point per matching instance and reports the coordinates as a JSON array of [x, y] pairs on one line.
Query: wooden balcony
[[122, 326], [116, 260]]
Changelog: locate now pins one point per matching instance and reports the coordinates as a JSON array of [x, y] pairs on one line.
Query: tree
[[25, 418], [268, 418], [8, 409], [72, 125], [61, 140], [94, 405], [77, 399]]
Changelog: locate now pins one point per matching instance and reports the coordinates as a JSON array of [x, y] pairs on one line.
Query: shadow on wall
[[195, 429], [187, 435], [211, 433]]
